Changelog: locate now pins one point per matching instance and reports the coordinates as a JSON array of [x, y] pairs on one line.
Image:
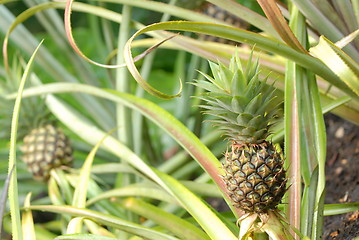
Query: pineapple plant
[[44, 145], [245, 109]]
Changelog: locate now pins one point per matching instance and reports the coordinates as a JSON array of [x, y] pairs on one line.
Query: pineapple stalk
[[245, 109]]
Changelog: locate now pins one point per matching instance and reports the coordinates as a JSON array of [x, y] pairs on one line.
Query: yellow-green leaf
[[339, 62]]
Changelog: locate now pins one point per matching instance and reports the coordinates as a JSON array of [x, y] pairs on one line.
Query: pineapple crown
[[244, 107]]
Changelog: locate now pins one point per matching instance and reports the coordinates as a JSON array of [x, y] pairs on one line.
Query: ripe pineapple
[[44, 146], [245, 110]]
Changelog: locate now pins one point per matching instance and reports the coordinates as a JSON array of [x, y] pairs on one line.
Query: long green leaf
[[150, 190], [147, 190], [129, 60], [237, 35], [3, 197], [107, 220], [247, 15], [181, 228], [71, 39], [105, 168], [339, 62], [94, 190], [81, 236], [75, 225], [308, 204], [28, 221], [188, 14], [340, 208], [54, 192], [80, 195], [292, 112], [43, 234], [275, 16], [64, 184], [318, 223], [320, 143], [122, 84], [207, 218], [13, 189]]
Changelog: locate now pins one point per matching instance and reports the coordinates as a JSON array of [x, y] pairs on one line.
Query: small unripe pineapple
[[245, 110], [46, 148]]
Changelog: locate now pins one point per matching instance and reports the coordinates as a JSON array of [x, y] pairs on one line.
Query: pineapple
[[44, 146], [245, 109]]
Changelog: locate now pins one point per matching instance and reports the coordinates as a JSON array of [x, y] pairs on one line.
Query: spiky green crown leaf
[[244, 107]]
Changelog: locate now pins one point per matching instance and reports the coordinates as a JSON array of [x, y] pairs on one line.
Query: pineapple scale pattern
[[255, 177], [46, 148]]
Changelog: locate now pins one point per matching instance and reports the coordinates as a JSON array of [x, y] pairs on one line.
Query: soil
[[342, 177]]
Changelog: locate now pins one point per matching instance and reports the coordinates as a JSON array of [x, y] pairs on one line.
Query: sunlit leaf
[[13, 188], [339, 62], [148, 190], [80, 193], [81, 236], [181, 228], [107, 220], [28, 221]]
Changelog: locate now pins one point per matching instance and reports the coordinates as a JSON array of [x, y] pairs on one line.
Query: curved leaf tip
[[129, 60]]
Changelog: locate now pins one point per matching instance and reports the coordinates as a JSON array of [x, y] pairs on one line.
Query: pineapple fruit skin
[[255, 176], [46, 148]]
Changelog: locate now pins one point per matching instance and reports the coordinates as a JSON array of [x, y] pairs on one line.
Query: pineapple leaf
[[254, 104], [208, 86], [255, 121], [226, 77], [235, 103], [244, 118], [244, 105], [268, 104], [260, 133]]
